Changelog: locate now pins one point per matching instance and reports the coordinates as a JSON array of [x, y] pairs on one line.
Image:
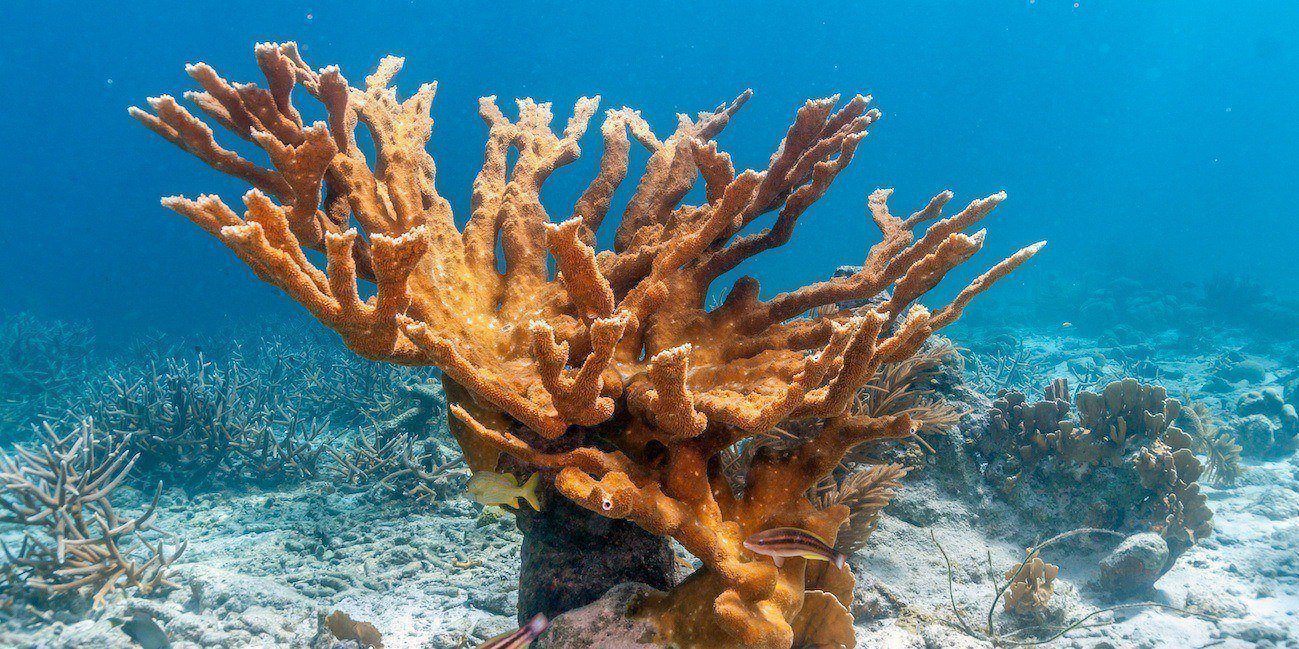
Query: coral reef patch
[[1114, 459]]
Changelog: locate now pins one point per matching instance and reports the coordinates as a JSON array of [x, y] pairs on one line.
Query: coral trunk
[[571, 556]]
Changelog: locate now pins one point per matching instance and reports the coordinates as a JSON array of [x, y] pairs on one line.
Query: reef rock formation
[[606, 371], [1134, 565]]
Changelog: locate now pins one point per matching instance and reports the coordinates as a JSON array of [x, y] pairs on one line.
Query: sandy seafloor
[[263, 565]]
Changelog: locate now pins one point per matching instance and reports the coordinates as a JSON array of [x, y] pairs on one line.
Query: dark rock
[[1267, 401], [144, 630], [571, 556], [1245, 369], [1216, 384], [1134, 565]]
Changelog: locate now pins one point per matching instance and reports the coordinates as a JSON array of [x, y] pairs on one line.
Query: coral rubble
[[609, 373]]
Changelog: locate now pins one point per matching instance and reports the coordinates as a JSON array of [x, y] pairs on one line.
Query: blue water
[[1151, 138]]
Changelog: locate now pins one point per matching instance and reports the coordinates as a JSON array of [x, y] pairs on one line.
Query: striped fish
[[522, 637], [781, 543]]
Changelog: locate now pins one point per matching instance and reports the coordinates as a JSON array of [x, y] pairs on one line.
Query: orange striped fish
[[522, 637], [781, 543]]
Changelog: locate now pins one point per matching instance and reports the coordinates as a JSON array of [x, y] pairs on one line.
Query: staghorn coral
[[41, 364], [276, 455], [182, 419], [1006, 363], [625, 397], [195, 423], [74, 540], [420, 411], [395, 464], [403, 454], [320, 382]]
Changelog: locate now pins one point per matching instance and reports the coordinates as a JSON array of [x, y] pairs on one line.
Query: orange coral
[[619, 338]]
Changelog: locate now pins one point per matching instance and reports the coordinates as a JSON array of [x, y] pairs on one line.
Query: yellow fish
[[493, 489]]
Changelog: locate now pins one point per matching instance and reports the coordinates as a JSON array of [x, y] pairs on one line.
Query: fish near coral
[[494, 489], [781, 543], [522, 637]]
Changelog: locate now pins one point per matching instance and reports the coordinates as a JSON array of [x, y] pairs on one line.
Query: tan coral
[[1032, 583], [1171, 471], [823, 622], [532, 356]]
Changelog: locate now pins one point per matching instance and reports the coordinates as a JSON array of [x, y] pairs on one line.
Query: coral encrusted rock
[[608, 622]]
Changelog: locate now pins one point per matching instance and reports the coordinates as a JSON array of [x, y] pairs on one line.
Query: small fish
[[490, 488], [780, 543], [144, 630], [1066, 324], [522, 637]]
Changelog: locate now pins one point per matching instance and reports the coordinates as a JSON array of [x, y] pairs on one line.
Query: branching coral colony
[[544, 366], [74, 540]]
